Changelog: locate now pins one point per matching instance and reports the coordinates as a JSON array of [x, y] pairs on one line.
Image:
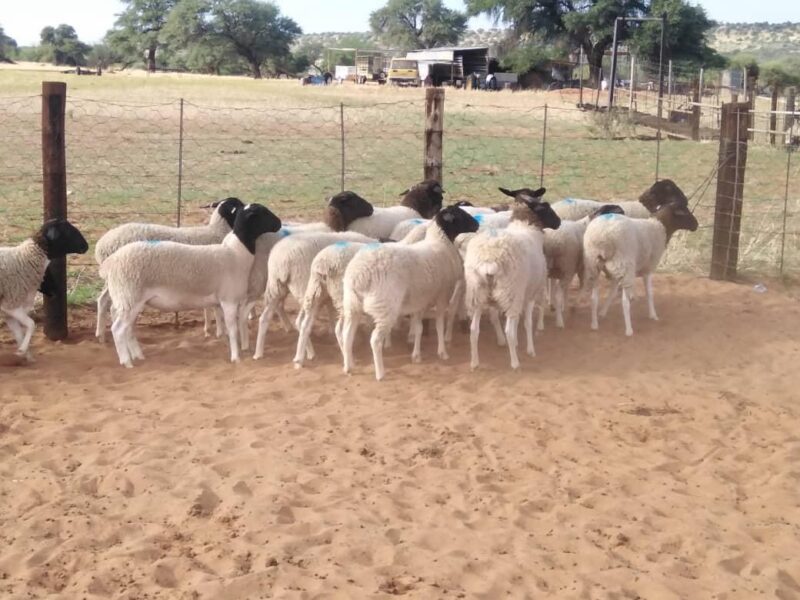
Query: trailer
[[371, 66]]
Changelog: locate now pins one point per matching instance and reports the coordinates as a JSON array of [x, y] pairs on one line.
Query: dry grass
[[279, 143]]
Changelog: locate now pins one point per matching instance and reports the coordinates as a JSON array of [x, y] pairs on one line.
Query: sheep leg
[[612, 294], [103, 306], [121, 330], [626, 311], [337, 331], [415, 330], [453, 308], [560, 293], [206, 323], [376, 341], [651, 305], [305, 332], [134, 349], [529, 326], [244, 325], [230, 312], [494, 317], [595, 303], [540, 317], [297, 323], [348, 336], [474, 332], [18, 333], [20, 315], [511, 338], [441, 336], [263, 323], [221, 322], [287, 324]]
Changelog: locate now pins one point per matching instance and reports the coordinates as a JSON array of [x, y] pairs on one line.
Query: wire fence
[[161, 162]]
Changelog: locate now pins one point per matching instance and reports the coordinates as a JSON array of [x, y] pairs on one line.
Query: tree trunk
[[594, 59], [151, 59], [773, 118], [256, 69]]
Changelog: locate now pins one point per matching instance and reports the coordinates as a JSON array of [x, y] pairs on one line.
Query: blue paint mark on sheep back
[[610, 216], [417, 221], [569, 201], [153, 242], [478, 218], [372, 246], [283, 232], [342, 244]]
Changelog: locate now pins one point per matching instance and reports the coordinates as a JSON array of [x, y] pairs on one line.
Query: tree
[[412, 24], [777, 77], [256, 31], [101, 56], [585, 23], [61, 46], [137, 30], [8, 46], [685, 36]]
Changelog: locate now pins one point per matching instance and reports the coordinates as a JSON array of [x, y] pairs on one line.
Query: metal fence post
[[434, 133], [544, 147], [180, 166], [54, 179], [730, 187], [341, 123]]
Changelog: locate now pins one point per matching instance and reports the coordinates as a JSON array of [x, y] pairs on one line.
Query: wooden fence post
[[54, 179], [696, 111], [434, 129], [735, 121]]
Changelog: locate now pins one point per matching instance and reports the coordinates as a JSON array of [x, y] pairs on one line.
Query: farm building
[[451, 63]]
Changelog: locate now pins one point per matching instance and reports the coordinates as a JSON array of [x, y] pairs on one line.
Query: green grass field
[[280, 144]]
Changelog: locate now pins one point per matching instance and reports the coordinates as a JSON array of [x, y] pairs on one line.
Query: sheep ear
[[539, 193], [506, 192], [404, 192]]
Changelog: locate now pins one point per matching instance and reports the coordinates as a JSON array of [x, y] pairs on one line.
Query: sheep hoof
[[629, 332], [654, 317], [298, 364], [474, 367], [532, 353], [127, 365], [444, 356], [501, 343], [594, 327], [258, 356]]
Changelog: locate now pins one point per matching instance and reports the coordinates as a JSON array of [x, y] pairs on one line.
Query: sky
[[24, 19]]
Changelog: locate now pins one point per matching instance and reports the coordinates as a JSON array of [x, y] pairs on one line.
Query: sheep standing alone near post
[[507, 269], [625, 248], [170, 277], [22, 273]]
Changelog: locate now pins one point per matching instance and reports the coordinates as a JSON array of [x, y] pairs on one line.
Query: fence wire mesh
[[161, 162]]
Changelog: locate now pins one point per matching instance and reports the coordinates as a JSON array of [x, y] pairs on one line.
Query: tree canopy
[[137, 31], [413, 24], [61, 46], [8, 46], [589, 24], [685, 36], [255, 31]]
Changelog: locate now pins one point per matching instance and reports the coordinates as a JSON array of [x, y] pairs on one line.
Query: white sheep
[[22, 271], [169, 276], [288, 271], [563, 250], [219, 225], [403, 228], [386, 281], [507, 269], [347, 211], [624, 248], [660, 193]]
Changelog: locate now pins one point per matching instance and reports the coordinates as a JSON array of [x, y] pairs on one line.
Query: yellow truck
[[403, 71]]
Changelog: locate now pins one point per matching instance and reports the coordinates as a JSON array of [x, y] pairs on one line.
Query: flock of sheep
[[417, 260]]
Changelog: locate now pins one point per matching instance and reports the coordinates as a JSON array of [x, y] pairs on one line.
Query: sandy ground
[[662, 466]]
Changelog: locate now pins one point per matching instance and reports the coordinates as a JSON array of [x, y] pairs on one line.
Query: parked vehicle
[[371, 67], [403, 71]]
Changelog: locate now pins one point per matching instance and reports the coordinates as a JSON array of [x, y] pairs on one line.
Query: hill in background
[[765, 41]]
